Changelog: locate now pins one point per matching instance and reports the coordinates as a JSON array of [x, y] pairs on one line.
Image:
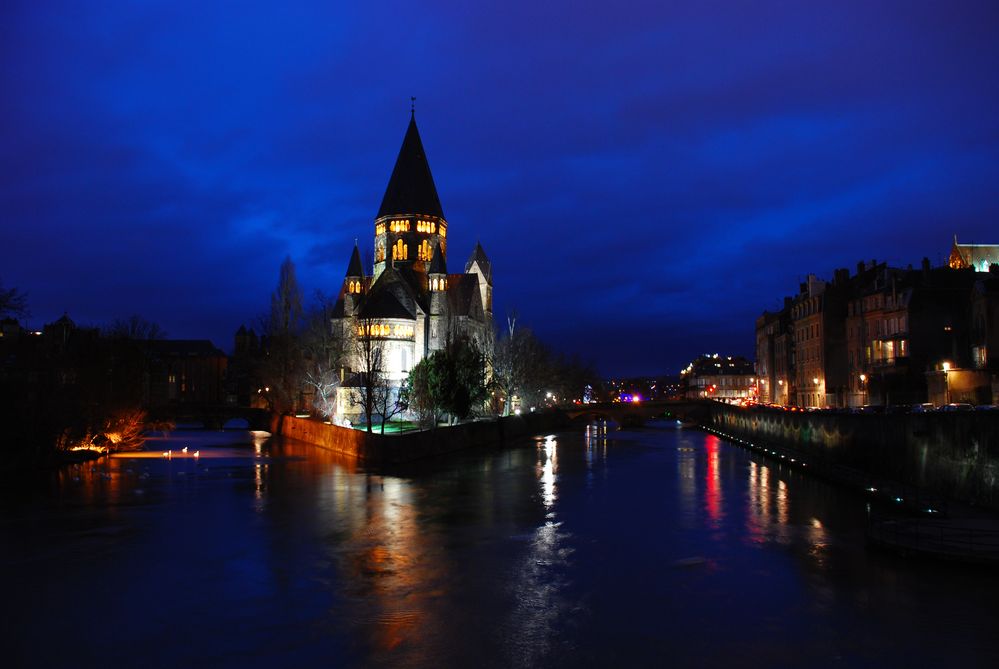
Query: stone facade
[[410, 304], [880, 336]]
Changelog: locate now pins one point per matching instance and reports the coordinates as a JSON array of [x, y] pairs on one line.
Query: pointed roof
[[479, 256], [463, 295], [384, 305], [438, 265], [411, 188], [354, 268]]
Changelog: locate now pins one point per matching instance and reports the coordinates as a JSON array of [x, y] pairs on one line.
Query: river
[[646, 547]]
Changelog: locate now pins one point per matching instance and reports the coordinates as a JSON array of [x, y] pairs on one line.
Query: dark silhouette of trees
[[525, 367], [134, 327], [323, 352], [13, 302], [282, 365]]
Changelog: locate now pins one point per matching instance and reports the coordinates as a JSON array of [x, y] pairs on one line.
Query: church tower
[[480, 265], [410, 224], [353, 281], [437, 281]]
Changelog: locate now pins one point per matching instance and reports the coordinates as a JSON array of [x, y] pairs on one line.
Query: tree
[[13, 302], [282, 364], [423, 390], [521, 366], [389, 401], [286, 301], [134, 327], [450, 381], [323, 351], [369, 352]]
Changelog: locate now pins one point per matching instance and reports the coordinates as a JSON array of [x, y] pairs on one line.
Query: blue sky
[[646, 177]]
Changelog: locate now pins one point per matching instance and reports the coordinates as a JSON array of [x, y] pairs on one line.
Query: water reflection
[[289, 554], [769, 515], [547, 469], [540, 581], [713, 496]]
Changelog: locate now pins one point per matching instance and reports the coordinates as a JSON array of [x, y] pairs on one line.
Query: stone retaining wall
[[407, 446], [954, 454]]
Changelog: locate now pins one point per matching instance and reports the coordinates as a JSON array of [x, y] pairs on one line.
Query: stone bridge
[[633, 414], [213, 417]]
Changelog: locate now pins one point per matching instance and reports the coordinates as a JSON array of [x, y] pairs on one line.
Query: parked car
[[925, 407], [872, 408], [957, 406], [987, 407]]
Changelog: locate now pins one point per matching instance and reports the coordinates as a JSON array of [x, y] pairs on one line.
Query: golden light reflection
[[548, 452], [258, 486], [389, 554], [782, 502]]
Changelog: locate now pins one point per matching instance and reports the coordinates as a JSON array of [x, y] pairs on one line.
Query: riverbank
[[952, 455], [391, 449]]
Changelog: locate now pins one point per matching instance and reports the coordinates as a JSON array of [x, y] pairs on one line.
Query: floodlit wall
[[949, 453], [408, 446]]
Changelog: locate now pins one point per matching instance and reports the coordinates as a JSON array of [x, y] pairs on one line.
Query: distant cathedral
[[411, 303]]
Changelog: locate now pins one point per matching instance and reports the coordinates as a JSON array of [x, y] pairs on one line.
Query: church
[[410, 303]]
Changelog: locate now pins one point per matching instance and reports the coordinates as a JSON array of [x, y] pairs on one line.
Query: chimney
[[926, 264], [860, 267]]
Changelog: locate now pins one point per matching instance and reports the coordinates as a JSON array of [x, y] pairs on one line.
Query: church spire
[[353, 281], [411, 188], [354, 267], [439, 263]]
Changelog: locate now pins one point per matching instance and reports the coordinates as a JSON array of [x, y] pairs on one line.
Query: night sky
[[646, 177]]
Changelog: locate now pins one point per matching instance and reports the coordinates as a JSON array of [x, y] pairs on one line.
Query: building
[[183, 371], [977, 256], [774, 355], [410, 303], [985, 322], [819, 333], [914, 322], [723, 378], [885, 335]]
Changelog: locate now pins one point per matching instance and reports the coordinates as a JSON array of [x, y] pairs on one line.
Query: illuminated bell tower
[[437, 282], [353, 281], [410, 224]]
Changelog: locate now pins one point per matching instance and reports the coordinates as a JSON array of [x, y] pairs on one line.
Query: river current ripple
[[599, 548]]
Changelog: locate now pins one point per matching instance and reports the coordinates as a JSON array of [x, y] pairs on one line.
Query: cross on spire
[[412, 105]]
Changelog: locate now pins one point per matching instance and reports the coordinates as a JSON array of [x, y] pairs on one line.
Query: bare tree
[[134, 327], [389, 401], [369, 350], [520, 363], [323, 351], [282, 364], [13, 302]]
